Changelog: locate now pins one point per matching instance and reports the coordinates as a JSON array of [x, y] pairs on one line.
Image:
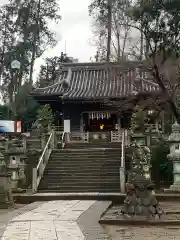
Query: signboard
[[8, 126], [67, 126]]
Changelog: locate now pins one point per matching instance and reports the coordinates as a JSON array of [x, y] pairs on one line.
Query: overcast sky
[[74, 29]]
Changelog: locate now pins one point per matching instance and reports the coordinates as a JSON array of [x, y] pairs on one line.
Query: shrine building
[[85, 96]]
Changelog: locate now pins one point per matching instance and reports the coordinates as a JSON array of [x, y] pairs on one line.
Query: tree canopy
[[50, 71], [24, 36], [159, 21], [122, 41]]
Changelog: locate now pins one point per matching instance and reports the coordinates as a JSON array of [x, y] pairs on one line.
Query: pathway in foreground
[[76, 220], [58, 220]]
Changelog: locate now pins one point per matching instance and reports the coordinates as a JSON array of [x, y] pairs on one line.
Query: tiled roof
[[99, 80]]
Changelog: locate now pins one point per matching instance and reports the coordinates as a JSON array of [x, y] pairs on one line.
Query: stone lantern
[[6, 198], [16, 156], [174, 156]]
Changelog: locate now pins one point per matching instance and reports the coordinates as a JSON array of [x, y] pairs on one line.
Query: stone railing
[[58, 128], [85, 136], [16, 145], [43, 160], [116, 136]]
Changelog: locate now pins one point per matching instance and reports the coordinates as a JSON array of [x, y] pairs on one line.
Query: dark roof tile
[[99, 81]]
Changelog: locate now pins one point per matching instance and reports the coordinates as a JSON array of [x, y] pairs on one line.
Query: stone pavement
[[143, 233], [58, 220]]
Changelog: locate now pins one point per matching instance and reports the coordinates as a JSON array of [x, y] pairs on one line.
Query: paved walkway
[[58, 220]]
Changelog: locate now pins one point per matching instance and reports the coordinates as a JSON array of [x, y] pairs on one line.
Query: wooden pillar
[[163, 121], [119, 121], [81, 123]]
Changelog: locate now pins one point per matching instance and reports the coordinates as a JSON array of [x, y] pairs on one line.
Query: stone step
[[79, 184], [54, 168], [87, 152], [94, 176], [33, 141], [85, 155], [85, 158], [72, 190], [82, 170], [73, 169], [82, 158], [74, 182], [96, 186], [79, 178], [76, 189], [95, 149], [86, 146]]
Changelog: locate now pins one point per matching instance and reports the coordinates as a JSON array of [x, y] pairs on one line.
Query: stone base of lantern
[[175, 187], [14, 185], [6, 199]]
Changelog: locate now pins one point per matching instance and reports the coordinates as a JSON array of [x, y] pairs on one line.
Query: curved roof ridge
[[149, 81], [50, 86], [57, 83]]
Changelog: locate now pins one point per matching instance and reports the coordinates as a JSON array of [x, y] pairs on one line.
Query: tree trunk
[[3, 49], [109, 27], [36, 35], [32, 64], [119, 47], [172, 104]]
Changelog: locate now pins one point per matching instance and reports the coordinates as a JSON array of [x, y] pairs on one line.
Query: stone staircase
[[83, 167], [34, 141]]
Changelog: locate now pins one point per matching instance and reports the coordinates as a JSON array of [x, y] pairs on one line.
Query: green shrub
[[161, 166]]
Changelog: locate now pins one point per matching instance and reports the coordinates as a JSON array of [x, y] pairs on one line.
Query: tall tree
[[159, 22], [120, 28], [33, 22], [52, 69], [109, 28], [28, 25], [6, 36]]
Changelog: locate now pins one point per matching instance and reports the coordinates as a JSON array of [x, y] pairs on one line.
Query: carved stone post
[[174, 156]]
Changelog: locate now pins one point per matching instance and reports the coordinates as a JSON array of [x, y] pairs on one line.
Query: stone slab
[[7, 215], [56, 220], [17, 230]]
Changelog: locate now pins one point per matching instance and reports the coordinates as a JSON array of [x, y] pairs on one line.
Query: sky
[[74, 31]]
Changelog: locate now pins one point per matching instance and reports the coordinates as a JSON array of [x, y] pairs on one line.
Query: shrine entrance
[[100, 122]]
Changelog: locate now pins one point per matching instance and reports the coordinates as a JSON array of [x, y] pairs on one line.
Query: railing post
[[122, 167], [34, 180], [55, 139], [88, 137], [25, 143], [43, 141], [52, 139]]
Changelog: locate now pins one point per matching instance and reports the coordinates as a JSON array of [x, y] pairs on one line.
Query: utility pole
[[109, 28]]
